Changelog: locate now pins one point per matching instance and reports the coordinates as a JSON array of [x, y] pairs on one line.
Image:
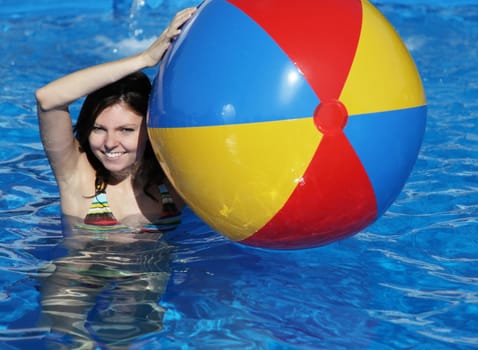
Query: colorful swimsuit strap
[[171, 216], [100, 214]]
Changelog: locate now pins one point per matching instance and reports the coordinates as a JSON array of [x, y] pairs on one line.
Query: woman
[[107, 174], [104, 289]]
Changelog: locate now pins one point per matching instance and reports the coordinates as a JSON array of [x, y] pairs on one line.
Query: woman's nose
[[111, 141]]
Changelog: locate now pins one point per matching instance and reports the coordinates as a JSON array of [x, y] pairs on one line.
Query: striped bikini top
[[101, 218]]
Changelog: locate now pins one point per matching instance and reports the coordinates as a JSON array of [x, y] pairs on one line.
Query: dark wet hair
[[133, 90]]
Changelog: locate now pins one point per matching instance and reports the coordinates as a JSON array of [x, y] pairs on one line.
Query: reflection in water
[[104, 291]]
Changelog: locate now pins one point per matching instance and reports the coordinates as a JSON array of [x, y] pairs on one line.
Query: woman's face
[[118, 138]]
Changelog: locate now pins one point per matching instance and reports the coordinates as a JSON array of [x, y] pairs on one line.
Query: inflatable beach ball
[[287, 124]]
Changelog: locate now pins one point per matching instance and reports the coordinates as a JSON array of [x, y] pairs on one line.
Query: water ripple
[[407, 281]]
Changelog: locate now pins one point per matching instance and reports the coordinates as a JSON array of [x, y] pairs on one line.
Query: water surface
[[407, 282]]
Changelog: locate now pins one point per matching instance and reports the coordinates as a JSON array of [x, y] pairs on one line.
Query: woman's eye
[[97, 129], [127, 130]]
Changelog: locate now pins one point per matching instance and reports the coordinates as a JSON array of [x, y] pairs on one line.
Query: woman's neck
[[128, 175]]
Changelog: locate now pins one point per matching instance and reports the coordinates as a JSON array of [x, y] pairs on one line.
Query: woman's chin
[[117, 167]]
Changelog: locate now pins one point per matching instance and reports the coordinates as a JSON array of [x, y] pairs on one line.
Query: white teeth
[[113, 154]]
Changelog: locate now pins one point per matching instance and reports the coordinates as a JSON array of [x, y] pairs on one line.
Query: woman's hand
[[155, 52]]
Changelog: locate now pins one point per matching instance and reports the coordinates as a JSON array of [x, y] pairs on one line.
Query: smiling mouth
[[113, 155]]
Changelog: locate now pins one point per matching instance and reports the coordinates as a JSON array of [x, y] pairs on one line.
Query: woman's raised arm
[[54, 98], [67, 89]]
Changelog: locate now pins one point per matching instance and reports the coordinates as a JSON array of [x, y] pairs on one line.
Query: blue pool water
[[410, 281]]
